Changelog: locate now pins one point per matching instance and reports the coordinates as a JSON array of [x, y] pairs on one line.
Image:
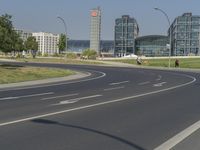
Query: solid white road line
[[179, 137], [25, 96], [76, 99], [117, 83], [143, 83], [98, 104], [68, 95], [115, 88], [55, 84]]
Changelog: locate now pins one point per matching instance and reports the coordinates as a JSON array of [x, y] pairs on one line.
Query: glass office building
[[152, 45], [106, 46], [126, 30], [185, 35]]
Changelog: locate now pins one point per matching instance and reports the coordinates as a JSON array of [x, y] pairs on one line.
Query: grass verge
[[13, 74], [193, 63], [62, 61]]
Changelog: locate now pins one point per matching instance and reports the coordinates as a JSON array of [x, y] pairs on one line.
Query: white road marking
[[54, 84], [24, 96], [116, 83], [159, 78], [143, 83], [179, 137], [159, 84], [98, 104], [68, 95], [115, 88], [76, 99]]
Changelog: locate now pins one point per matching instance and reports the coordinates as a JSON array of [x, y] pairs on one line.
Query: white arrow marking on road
[[159, 78], [76, 100], [159, 84], [97, 104]]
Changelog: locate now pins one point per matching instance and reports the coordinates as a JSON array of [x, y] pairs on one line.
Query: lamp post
[[169, 33], [65, 29]]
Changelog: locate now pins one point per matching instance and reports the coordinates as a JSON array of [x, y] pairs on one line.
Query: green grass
[[13, 74], [62, 61], [193, 63]]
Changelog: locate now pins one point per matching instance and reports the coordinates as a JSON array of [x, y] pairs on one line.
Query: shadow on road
[[119, 139]]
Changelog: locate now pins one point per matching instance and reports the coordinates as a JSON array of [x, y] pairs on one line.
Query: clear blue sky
[[41, 15]]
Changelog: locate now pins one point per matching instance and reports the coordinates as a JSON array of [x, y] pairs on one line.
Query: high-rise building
[[47, 42], [126, 31], [95, 29], [185, 34]]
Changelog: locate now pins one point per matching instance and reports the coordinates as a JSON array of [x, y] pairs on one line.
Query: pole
[[169, 62], [65, 30]]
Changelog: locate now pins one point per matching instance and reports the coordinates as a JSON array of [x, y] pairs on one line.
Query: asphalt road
[[113, 109]]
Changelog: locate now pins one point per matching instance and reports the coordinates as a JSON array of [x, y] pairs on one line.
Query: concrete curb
[[78, 75]]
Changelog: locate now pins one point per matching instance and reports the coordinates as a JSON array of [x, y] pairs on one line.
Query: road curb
[[78, 75]]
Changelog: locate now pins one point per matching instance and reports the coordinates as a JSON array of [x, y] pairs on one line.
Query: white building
[[47, 42], [23, 34], [95, 29]]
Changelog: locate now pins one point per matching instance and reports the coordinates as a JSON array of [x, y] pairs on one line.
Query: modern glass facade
[[185, 35], [126, 30], [106, 46], [152, 45], [95, 29]]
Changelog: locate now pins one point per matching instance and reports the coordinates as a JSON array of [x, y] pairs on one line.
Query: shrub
[[89, 54], [71, 55]]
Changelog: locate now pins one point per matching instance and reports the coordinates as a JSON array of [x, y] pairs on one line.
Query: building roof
[[151, 37]]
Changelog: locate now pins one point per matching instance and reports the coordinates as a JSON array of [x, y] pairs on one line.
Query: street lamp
[[169, 33], [65, 29]]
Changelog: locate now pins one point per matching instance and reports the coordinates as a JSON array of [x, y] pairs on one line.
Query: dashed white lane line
[[76, 100], [144, 83], [159, 84], [68, 95], [115, 88], [25, 96], [117, 83], [97, 104], [179, 137]]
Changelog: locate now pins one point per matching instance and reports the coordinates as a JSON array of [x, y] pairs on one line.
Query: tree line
[[10, 40]]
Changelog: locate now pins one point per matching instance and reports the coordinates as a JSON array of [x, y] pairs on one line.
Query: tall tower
[[95, 29]]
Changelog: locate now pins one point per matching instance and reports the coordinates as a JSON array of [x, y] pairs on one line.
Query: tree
[[31, 44], [18, 43], [6, 33], [62, 42]]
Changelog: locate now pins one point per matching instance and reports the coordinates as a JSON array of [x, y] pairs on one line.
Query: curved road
[[113, 109]]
